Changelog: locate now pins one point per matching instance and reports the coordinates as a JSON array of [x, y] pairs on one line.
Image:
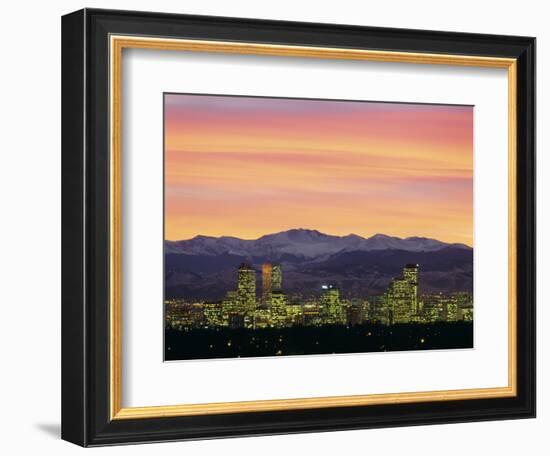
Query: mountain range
[[302, 242], [204, 267]]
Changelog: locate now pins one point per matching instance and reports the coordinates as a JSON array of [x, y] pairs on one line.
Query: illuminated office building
[[214, 315], [278, 309], [262, 318], [410, 274], [332, 312], [399, 301], [402, 296], [463, 298], [267, 274], [450, 308], [184, 314], [246, 289], [311, 314], [230, 303], [231, 306], [294, 313], [432, 307], [440, 307], [276, 277], [465, 311]]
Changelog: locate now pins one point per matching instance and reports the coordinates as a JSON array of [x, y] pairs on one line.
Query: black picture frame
[[85, 225]]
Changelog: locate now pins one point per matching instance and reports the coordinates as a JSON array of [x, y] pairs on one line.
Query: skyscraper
[[267, 274], [410, 274], [277, 277], [231, 309], [402, 295], [331, 308], [246, 289], [278, 309]]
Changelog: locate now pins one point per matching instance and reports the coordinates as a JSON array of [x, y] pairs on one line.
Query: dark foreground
[[311, 340]]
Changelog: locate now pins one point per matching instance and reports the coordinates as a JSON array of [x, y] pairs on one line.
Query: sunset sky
[[249, 166]]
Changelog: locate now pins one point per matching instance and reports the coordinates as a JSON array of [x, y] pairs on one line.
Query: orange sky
[[249, 166]]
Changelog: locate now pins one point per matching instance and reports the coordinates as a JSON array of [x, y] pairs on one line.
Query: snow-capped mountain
[[302, 243]]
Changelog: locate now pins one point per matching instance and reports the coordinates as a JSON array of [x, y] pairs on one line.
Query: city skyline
[[342, 167], [272, 322], [272, 307], [259, 316]]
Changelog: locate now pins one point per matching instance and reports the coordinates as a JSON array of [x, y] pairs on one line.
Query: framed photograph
[[279, 227]]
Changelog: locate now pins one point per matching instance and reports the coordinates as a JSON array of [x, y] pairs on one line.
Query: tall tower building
[[331, 307], [410, 274], [246, 289], [402, 295], [278, 309], [267, 274], [276, 277]]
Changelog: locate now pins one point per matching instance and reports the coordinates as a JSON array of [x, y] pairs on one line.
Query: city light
[[401, 303]]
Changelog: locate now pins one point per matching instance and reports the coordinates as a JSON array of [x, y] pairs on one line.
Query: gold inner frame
[[117, 44]]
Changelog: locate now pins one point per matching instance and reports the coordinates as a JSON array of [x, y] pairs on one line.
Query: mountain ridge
[[305, 243]]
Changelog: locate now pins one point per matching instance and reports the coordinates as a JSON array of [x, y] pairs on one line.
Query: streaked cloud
[[246, 166]]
